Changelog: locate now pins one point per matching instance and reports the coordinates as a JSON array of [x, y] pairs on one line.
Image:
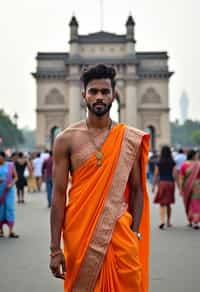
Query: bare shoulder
[[79, 125], [64, 140]]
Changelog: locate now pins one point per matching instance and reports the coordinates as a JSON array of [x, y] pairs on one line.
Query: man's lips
[[99, 105]]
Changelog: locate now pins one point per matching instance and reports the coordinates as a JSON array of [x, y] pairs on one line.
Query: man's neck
[[98, 122]]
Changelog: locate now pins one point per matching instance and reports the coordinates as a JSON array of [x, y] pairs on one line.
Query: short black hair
[[180, 150], [100, 71], [191, 153], [21, 154], [3, 154]]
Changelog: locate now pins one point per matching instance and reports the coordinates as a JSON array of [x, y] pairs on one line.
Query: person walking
[[108, 210], [47, 176], [37, 170], [8, 178], [20, 165], [31, 180], [189, 176], [180, 158], [165, 176], [151, 166]]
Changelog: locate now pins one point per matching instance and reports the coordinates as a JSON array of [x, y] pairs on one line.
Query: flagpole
[[101, 14]]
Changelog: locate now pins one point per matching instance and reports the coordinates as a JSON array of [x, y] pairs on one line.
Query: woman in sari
[[8, 178], [189, 181]]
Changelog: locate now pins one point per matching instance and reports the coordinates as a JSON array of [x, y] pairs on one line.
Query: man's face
[[99, 96]]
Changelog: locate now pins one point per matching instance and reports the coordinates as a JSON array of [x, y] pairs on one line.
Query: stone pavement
[[175, 253]]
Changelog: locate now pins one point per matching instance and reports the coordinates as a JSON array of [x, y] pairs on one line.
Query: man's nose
[[99, 95]]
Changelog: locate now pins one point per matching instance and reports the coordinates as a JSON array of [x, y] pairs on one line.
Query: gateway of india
[[142, 84]]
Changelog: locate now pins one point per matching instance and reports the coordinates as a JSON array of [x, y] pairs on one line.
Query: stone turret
[[130, 35], [73, 29], [74, 46]]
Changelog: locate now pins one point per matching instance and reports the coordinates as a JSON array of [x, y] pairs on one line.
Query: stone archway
[[152, 131], [55, 130]]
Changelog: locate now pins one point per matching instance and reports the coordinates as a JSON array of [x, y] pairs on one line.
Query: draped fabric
[[102, 252], [7, 197], [190, 172], [6, 175]]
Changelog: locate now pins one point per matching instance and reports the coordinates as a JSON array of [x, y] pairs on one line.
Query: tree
[[196, 137], [183, 135], [10, 135]]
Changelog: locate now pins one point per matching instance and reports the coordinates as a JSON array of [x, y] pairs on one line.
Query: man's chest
[[83, 145]]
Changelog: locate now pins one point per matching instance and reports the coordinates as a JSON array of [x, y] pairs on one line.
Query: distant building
[[184, 105], [142, 83]]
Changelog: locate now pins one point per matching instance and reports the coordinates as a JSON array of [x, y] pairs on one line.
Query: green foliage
[[11, 136], [196, 137], [185, 135]]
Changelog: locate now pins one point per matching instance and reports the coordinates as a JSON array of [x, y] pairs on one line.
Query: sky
[[31, 26]]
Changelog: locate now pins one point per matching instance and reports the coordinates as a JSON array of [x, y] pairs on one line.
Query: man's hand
[[1, 180], [58, 266]]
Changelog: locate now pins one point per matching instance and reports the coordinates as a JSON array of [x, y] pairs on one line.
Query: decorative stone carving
[[54, 97], [151, 96]]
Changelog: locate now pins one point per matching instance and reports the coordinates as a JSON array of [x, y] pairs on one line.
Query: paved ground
[[175, 253]]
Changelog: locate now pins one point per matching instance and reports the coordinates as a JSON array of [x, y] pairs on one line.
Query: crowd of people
[[170, 170], [167, 171], [22, 170]]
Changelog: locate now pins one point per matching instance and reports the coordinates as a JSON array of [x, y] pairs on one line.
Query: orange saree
[[102, 253]]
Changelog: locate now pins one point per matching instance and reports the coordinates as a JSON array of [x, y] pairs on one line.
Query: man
[[151, 164], [180, 158], [47, 176], [108, 204], [37, 170]]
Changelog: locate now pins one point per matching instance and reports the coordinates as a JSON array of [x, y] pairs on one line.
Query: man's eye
[[93, 91], [105, 91]]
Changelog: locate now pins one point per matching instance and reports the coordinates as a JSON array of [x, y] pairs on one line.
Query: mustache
[[99, 103]]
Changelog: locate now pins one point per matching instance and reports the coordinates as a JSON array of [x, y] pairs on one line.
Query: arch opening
[[55, 130], [152, 131]]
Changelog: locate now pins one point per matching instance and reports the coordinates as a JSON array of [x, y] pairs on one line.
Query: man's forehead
[[105, 83]]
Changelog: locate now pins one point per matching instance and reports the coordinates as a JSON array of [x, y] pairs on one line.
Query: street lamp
[[15, 117]]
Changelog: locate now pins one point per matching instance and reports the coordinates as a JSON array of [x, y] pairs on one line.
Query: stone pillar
[[165, 128], [120, 86], [131, 104], [40, 131], [74, 101]]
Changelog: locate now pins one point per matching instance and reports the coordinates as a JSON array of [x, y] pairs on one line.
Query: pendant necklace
[[99, 154]]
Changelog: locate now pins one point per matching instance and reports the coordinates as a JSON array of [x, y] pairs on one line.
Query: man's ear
[[83, 94], [115, 94]]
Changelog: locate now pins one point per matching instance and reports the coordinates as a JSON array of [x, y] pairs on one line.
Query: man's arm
[[136, 196], [60, 180]]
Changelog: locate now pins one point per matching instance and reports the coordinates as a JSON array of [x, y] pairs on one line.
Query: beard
[[99, 111]]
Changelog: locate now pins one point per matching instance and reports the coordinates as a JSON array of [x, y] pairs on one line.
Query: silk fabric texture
[[102, 252]]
